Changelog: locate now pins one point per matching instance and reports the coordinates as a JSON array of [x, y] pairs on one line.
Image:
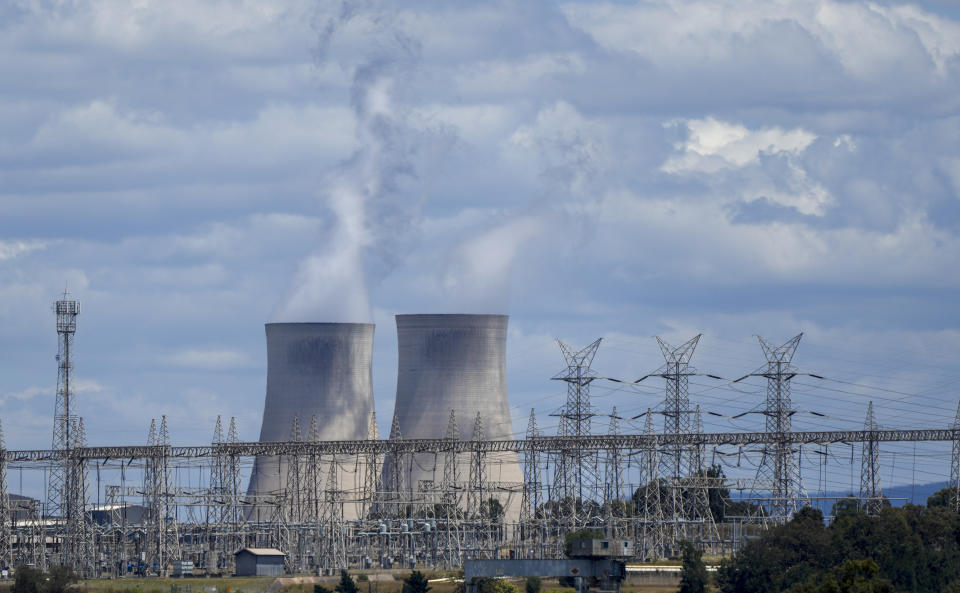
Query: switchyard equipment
[[330, 494]]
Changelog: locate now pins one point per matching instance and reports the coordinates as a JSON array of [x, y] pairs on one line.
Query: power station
[[451, 483]]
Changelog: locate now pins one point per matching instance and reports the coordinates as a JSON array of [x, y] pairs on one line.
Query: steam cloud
[[332, 284]]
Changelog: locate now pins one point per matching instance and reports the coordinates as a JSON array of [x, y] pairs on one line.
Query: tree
[[693, 574], [941, 498], [415, 583], [61, 577], [491, 510], [29, 580], [496, 586], [846, 508], [346, 584], [532, 585], [321, 589]]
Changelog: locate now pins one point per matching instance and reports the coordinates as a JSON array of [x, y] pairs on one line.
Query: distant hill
[[898, 495]]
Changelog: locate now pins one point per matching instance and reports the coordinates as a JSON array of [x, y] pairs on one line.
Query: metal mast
[[371, 478], [675, 460], [575, 475], [530, 509], [451, 469], [682, 465], [652, 539], [778, 468], [870, 466], [955, 464], [61, 491], [6, 525]]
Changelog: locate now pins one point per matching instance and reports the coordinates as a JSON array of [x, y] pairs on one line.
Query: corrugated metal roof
[[263, 551]]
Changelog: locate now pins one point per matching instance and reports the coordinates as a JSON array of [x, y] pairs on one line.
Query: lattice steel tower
[[778, 468], [677, 414], [955, 463], [62, 492], [870, 491], [575, 474], [687, 508]]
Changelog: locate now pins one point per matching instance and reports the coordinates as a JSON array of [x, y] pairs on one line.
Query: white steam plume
[[331, 284]]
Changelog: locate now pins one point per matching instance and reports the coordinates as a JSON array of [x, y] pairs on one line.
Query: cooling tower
[[313, 369], [454, 362]]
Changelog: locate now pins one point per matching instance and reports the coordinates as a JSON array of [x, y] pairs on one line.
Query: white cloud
[[12, 249], [213, 360], [712, 145]]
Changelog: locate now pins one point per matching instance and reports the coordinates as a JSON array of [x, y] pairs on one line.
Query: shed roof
[[262, 551]]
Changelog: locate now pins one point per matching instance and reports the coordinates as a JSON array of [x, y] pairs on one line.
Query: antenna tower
[[61, 491]]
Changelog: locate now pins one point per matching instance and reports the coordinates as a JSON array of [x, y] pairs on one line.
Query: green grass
[[182, 585]]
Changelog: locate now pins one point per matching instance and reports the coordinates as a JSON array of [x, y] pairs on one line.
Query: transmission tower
[[613, 480], [575, 473], [61, 491], [478, 472], [651, 540], [395, 476], [680, 465], [955, 463], [530, 508], [778, 468], [371, 476], [870, 467], [6, 535], [336, 545], [450, 486], [451, 468], [78, 543]]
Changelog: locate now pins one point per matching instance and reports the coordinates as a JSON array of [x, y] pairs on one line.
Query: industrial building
[[259, 562]]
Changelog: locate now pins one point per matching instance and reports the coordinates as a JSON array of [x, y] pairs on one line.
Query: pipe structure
[[314, 370]]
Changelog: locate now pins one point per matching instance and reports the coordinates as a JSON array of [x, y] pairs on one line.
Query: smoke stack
[[313, 369], [454, 362]]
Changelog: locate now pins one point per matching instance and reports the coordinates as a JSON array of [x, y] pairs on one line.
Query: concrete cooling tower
[[454, 362], [313, 369]]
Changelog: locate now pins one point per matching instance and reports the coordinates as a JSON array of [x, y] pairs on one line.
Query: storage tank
[[313, 369], [454, 362]]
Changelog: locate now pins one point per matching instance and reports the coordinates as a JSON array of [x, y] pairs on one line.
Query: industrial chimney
[[458, 363], [313, 369]]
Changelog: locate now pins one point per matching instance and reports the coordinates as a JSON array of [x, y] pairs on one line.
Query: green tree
[[492, 510], [346, 584], [415, 583], [846, 508], [496, 586], [61, 577], [28, 580], [321, 589], [941, 498], [693, 574], [532, 585]]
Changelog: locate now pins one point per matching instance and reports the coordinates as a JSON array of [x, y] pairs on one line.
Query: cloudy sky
[[192, 170]]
